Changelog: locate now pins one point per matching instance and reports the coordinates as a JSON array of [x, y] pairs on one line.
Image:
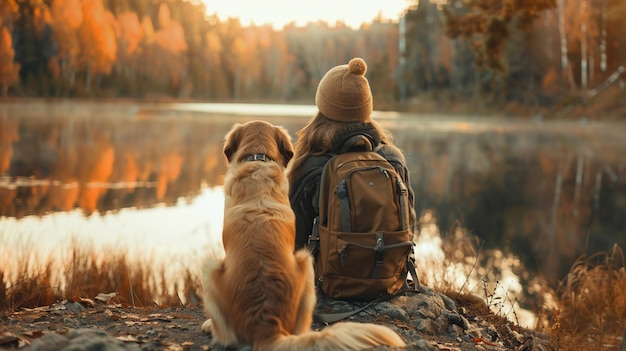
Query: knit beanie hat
[[344, 94]]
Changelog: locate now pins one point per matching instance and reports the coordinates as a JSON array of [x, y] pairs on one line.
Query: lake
[[148, 176]]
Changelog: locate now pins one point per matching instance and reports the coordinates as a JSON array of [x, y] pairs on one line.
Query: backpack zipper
[[367, 168], [379, 245]]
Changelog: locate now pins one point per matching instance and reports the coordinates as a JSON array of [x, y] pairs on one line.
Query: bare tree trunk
[[579, 180], [88, 78], [584, 78], [563, 36], [603, 57]]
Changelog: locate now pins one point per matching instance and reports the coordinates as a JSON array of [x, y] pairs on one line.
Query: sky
[[280, 12]]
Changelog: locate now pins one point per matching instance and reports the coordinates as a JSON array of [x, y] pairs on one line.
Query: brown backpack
[[365, 236]]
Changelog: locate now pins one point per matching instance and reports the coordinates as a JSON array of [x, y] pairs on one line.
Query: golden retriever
[[262, 294]]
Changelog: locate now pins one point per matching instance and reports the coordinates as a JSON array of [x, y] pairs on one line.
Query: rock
[[81, 340]]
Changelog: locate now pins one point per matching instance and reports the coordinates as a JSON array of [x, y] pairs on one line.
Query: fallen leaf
[[483, 341], [187, 343], [84, 301], [105, 297], [447, 347], [34, 334], [159, 317], [174, 347], [32, 317], [39, 309], [132, 316], [112, 315], [127, 338]]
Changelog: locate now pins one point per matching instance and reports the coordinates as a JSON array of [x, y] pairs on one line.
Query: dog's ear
[[231, 141], [284, 145]]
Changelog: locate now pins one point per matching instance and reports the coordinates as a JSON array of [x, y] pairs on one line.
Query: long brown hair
[[316, 138]]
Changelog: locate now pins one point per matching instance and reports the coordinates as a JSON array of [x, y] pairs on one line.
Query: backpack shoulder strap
[[314, 237], [329, 318], [357, 142]]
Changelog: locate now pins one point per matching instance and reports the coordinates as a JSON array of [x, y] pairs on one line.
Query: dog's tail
[[343, 336]]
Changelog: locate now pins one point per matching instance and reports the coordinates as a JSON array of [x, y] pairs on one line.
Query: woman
[[345, 105]]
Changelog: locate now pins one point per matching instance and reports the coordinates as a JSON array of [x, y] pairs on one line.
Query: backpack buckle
[[342, 191], [379, 255], [313, 243]]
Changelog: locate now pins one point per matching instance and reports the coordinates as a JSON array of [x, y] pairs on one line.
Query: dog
[[261, 294]]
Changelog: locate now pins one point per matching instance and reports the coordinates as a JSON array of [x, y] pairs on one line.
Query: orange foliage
[[8, 135], [63, 197], [41, 18], [9, 70], [68, 12], [7, 198], [170, 170], [148, 29], [131, 32], [549, 84], [8, 8], [95, 167], [67, 15], [171, 36], [170, 165], [97, 38], [168, 62], [129, 172]]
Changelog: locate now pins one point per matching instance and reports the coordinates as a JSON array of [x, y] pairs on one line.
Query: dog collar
[[256, 157]]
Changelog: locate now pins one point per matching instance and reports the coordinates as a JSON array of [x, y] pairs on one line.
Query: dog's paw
[[207, 326]]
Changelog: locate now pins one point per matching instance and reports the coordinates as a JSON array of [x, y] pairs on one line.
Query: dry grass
[[590, 312], [88, 272], [592, 304]]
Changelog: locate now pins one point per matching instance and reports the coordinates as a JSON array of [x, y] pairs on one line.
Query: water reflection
[[103, 162], [548, 192], [182, 229]]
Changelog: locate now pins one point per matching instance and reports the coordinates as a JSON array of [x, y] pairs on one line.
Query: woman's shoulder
[[392, 153], [311, 165]]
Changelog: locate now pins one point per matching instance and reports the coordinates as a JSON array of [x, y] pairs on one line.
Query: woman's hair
[[316, 138]]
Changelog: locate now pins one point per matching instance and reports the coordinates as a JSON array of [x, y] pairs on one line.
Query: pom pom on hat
[[357, 66], [344, 94]]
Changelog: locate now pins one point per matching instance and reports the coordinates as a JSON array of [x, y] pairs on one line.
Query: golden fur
[[261, 293]]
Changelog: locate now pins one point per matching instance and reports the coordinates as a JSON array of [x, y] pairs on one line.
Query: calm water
[[150, 175]]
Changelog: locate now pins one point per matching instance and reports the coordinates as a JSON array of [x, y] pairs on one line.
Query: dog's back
[[262, 293]]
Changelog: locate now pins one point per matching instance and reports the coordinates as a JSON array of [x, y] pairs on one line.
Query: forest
[[552, 57]]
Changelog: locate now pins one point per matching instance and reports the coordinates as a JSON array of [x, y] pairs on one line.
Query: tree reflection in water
[[548, 192], [105, 163]]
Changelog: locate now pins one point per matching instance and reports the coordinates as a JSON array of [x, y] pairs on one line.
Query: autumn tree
[[278, 70], [170, 47], [67, 16], [488, 24], [129, 38], [98, 46], [212, 55], [9, 70], [8, 11]]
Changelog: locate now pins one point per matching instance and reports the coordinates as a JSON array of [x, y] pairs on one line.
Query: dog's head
[[258, 137]]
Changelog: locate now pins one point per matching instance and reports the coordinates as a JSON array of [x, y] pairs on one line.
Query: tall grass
[[586, 312], [591, 299], [87, 272]]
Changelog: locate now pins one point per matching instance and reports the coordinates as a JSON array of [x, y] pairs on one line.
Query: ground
[[426, 321]]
